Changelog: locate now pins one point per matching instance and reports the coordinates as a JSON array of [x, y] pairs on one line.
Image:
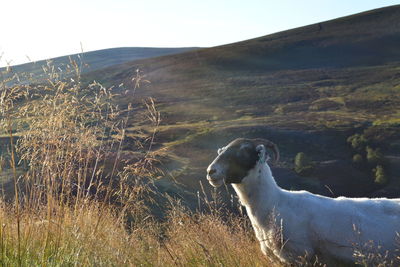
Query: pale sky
[[43, 29]]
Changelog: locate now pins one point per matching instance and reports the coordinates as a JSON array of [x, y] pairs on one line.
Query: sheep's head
[[235, 160]]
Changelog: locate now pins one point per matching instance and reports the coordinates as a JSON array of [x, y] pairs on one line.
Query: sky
[[32, 30]]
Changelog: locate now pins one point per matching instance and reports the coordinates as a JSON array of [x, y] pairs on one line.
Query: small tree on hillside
[[375, 156], [303, 164], [380, 175], [357, 141]]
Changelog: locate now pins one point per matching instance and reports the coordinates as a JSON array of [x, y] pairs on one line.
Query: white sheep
[[293, 224]]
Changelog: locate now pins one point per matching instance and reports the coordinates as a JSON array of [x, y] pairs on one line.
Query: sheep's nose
[[212, 171]]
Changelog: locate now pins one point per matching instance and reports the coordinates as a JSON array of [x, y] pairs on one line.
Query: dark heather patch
[[239, 161]]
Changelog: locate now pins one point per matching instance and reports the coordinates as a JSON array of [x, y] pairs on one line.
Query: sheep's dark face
[[233, 162]]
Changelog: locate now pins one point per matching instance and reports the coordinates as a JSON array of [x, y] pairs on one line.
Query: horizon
[[92, 25]]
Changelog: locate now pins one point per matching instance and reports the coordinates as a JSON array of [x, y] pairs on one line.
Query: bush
[[380, 175], [375, 156], [303, 164], [357, 141]]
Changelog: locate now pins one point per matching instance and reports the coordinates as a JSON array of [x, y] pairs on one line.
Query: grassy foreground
[[90, 236]]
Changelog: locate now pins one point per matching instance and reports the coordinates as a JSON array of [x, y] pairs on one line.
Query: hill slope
[[98, 59], [329, 59]]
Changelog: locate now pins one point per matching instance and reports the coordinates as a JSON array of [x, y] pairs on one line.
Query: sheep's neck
[[258, 191]]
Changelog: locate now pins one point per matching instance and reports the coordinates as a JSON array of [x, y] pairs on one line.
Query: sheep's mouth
[[215, 182]]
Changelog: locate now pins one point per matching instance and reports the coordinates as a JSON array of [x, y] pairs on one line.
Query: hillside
[[98, 59], [308, 89]]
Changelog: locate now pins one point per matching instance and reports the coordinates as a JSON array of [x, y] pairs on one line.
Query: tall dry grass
[[70, 238]]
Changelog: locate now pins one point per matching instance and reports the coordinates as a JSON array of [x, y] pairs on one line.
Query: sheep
[[292, 224]]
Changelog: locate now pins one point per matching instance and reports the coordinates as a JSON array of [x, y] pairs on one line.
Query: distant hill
[[308, 89], [344, 71], [98, 59], [366, 39]]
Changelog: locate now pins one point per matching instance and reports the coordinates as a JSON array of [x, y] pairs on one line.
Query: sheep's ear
[[262, 153]]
